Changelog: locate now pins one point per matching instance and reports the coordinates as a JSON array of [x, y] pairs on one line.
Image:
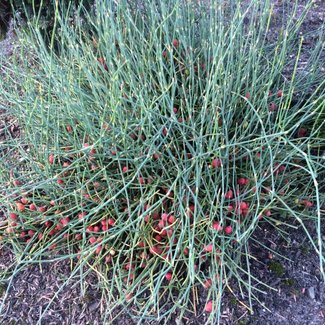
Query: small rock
[[93, 306], [311, 292]]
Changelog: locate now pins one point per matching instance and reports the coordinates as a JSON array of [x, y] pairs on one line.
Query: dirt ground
[[297, 297]]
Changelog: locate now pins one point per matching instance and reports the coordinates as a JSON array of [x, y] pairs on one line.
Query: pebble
[[311, 292], [93, 306]]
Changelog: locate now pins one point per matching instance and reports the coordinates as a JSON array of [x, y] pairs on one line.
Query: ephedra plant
[[155, 140]]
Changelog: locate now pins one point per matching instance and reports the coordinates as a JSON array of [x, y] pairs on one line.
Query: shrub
[[159, 137]]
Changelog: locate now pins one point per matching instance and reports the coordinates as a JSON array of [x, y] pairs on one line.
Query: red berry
[[128, 297], [48, 224], [90, 229], [92, 240], [42, 209], [17, 182], [60, 181], [141, 244], [51, 159], [302, 132], [243, 181], [13, 216], [24, 200], [158, 238], [247, 95], [307, 204], [141, 180], [216, 163], [216, 226], [98, 249], [164, 217], [243, 212], [156, 216], [81, 215], [20, 206], [65, 221], [229, 195], [111, 221], [243, 205], [161, 224], [209, 306], [267, 213], [125, 169], [156, 156], [59, 226], [31, 233], [175, 43], [129, 266], [279, 93], [168, 276], [207, 284], [164, 233], [155, 250], [171, 219], [208, 248], [230, 208], [228, 230]]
